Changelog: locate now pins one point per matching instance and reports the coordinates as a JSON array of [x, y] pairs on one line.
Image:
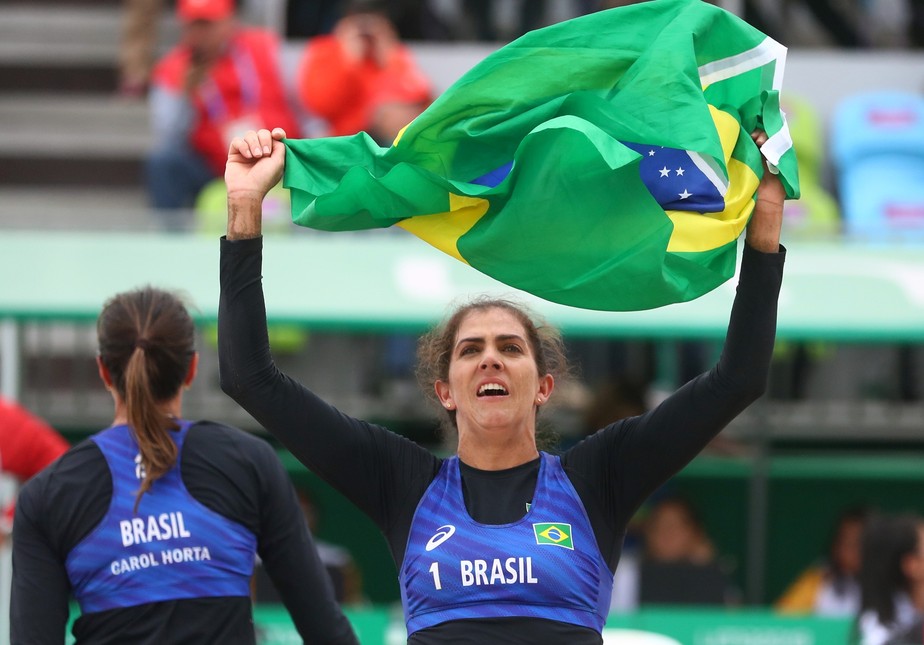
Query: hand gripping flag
[[604, 162]]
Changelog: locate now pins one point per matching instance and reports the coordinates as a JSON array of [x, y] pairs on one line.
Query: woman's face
[[913, 563], [670, 536], [208, 39], [848, 546], [493, 382]]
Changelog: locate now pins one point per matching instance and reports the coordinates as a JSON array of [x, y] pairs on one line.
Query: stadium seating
[[877, 144]]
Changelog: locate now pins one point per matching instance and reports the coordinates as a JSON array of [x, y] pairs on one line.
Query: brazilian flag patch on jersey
[[553, 533]]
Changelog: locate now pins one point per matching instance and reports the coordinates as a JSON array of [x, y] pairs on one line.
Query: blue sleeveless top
[[173, 548], [546, 565]]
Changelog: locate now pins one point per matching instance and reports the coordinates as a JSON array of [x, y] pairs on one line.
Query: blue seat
[[877, 141]]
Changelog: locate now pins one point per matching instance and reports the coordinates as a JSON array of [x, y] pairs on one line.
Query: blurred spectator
[[27, 445], [891, 579], [831, 587], [362, 78], [140, 21], [676, 564], [674, 532], [221, 80]]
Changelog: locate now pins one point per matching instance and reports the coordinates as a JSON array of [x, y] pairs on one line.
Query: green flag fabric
[[604, 162]]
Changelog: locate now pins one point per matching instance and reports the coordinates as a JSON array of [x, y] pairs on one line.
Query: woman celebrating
[[152, 524], [502, 542]]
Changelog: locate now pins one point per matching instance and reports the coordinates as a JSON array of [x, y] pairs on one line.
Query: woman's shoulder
[[215, 436], [76, 461], [80, 474], [220, 430]]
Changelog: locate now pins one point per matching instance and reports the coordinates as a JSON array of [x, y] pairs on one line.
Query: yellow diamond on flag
[[553, 533]]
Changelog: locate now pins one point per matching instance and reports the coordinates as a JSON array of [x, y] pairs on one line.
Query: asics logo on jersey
[[442, 534]]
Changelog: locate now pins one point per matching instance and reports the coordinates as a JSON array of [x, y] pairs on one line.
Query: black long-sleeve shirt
[[229, 471], [385, 474]]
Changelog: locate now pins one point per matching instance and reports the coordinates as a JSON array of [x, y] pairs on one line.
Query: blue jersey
[[546, 565], [173, 548]]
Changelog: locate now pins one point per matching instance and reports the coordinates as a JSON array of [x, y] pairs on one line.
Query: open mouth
[[492, 389]]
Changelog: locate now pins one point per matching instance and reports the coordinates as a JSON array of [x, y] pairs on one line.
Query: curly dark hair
[[434, 352]]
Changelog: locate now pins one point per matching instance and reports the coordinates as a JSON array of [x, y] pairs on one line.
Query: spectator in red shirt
[[361, 77], [220, 80], [27, 445]]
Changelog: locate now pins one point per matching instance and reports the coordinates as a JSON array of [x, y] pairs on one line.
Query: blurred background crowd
[[116, 116]]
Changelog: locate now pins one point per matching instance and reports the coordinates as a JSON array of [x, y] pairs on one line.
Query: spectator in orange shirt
[[220, 80], [27, 445], [361, 77]]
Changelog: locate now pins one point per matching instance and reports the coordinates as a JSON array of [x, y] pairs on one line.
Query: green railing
[[385, 626], [687, 626]]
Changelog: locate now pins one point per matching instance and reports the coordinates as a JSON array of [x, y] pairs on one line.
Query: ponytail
[[148, 422], [146, 341]]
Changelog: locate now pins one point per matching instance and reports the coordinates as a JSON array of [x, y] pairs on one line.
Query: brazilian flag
[[604, 162], [556, 533]]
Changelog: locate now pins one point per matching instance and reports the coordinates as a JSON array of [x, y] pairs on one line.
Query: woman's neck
[[171, 408], [496, 454], [916, 595]]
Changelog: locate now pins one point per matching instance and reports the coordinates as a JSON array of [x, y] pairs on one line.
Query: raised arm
[[631, 458], [371, 466], [763, 233], [255, 164]]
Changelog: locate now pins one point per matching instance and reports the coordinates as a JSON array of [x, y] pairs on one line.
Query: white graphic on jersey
[[139, 467], [442, 534]]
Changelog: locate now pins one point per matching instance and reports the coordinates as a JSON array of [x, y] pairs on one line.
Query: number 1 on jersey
[[435, 570]]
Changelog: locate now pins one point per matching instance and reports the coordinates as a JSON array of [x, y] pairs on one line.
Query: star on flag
[[676, 180]]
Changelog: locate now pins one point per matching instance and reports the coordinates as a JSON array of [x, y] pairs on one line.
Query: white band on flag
[[705, 164], [768, 51], [778, 144]]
